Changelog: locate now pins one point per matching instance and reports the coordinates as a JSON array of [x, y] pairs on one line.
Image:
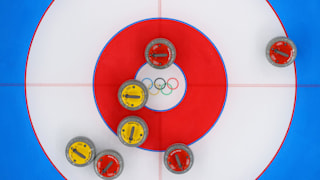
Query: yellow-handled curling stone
[[133, 95], [80, 151], [132, 131]]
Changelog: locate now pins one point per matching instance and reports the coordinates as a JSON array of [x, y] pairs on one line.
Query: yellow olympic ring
[[153, 94]]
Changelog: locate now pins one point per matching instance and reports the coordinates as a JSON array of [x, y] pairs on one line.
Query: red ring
[[169, 86]]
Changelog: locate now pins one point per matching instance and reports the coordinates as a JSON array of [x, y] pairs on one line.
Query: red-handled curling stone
[[108, 164], [178, 158], [160, 53], [281, 51]]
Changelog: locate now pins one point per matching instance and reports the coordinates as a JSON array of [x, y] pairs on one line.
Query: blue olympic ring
[[149, 80]]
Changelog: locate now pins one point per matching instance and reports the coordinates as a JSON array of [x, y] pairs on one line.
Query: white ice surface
[[251, 127]]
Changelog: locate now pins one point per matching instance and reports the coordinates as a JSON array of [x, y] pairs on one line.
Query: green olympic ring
[[166, 94], [160, 89]]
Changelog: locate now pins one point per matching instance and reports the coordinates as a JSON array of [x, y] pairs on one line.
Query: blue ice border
[[177, 66]]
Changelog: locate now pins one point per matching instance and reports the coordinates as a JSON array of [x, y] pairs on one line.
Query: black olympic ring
[[159, 86]]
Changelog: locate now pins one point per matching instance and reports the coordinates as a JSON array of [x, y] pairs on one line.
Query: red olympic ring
[[171, 87]]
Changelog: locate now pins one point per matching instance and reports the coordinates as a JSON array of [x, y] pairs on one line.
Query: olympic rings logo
[[160, 84]]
